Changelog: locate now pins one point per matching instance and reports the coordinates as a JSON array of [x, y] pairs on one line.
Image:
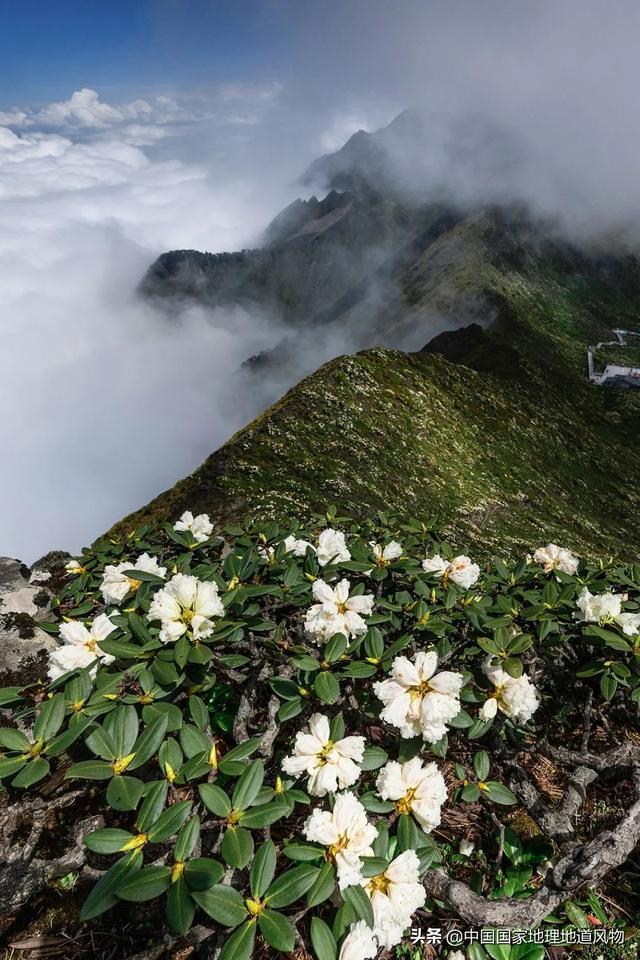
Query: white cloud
[[14, 118], [104, 401], [84, 109]]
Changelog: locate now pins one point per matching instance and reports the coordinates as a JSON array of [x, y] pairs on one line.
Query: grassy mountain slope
[[510, 444]]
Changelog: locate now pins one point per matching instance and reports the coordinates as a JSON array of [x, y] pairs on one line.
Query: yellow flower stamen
[[405, 804], [379, 884], [337, 847], [323, 756], [416, 693]]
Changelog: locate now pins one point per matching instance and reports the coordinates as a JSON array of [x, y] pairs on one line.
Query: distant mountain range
[[494, 425]]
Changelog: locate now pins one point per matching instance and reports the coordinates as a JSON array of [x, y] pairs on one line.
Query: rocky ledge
[[25, 603]]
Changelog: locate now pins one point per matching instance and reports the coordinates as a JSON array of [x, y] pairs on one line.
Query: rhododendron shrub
[[279, 718]]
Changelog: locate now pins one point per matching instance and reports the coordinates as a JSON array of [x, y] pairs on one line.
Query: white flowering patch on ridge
[[404, 687], [337, 611], [330, 765], [81, 647], [516, 697], [186, 604], [116, 585], [417, 700]]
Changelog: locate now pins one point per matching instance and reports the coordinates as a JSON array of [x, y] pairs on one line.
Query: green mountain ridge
[[496, 461], [492, 428]]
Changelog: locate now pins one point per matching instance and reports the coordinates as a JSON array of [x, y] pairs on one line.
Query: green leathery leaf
[[263, 868]]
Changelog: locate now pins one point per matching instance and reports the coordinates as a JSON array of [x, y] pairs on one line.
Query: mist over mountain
[[389, 251]]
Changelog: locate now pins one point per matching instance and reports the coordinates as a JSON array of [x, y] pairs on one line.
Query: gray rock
[[23, 645]]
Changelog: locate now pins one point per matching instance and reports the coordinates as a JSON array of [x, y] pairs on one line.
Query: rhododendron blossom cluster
[[460, 570], [330, 764], [186, 604], [116, 585], [337, 611], [417, 700], [287, 722]]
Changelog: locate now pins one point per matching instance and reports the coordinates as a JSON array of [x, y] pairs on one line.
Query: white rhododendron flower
[[418, 700], [359, 944], [186, 603], [395, 896], [336, 611], [332, 547], [115, 586], [435, 564], [629, 623], [605, 608], [297, 547], [199, 527], [415, 788], [81, 646], [460, 570], [72, 567], [598, 608], [553, 557], [387, 553], [331, 765], [516, 697], [346, 833]]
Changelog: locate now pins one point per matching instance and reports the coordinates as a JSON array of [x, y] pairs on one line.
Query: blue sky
[[49, 48]]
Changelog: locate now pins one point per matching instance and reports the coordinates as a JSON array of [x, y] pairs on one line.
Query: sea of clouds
[[104, 401]]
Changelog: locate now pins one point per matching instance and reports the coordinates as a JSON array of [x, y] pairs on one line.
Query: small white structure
[[613, 374]]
